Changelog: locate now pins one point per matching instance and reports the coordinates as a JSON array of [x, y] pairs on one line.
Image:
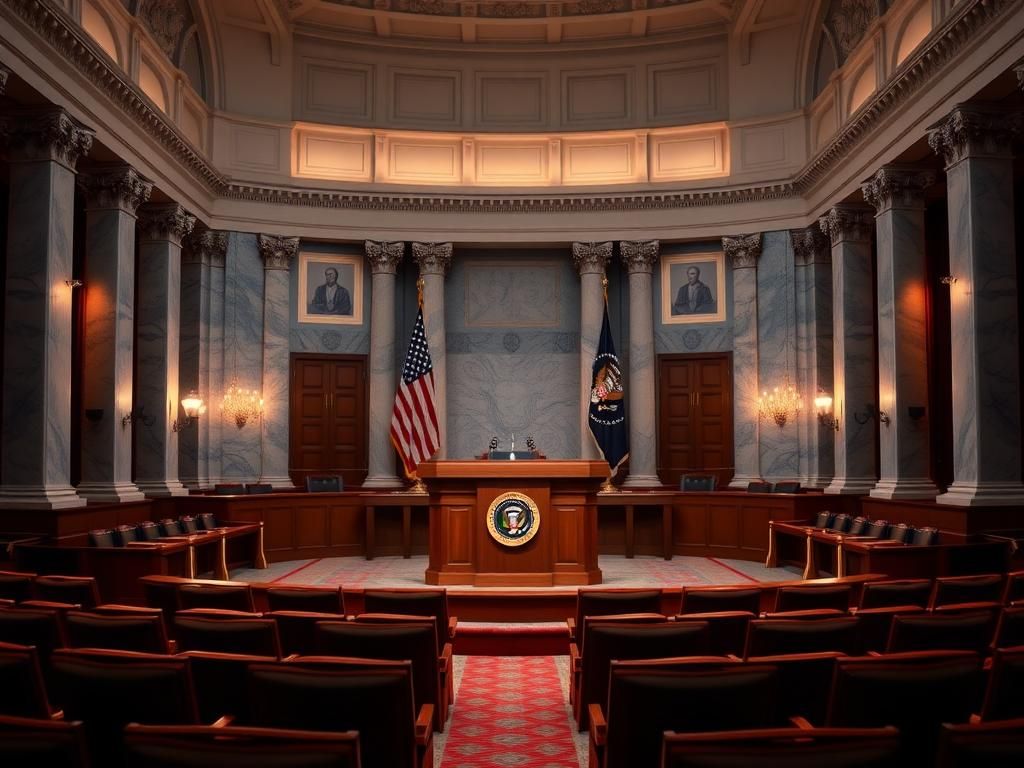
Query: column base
[[850, 486], [982, 495], [904, 489], [740, 482], [195, 483], [159, 489], [39, 497], [113, 493], [642, 481], [819, 482], [278, 482], [383, 481]]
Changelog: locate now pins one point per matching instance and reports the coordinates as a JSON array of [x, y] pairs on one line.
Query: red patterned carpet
[[510, 712]]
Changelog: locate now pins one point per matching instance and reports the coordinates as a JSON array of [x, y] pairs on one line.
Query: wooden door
[[328, 417], [695, 416]]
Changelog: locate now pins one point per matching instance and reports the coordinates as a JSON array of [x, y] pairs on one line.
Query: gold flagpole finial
[[419, 293]]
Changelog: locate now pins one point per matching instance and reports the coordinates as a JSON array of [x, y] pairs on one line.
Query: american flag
[[414, 427]]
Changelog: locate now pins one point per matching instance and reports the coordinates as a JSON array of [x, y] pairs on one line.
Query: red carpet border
[[510, 713]]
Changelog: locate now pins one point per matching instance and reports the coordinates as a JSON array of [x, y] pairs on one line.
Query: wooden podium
[[562, 553]]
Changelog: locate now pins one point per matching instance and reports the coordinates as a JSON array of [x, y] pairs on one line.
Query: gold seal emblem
[[513, 519]]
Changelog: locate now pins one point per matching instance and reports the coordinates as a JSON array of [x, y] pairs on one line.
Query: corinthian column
[[36, 471], [111, 199], [897, 195], [590, 260], [157, 396], [743, 253], [853, 367], [434, 260], [384, 259], [640, 258], [976, 145], [277, 253]]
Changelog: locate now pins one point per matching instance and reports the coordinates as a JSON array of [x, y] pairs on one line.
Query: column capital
[[50, 134], [810, 246], [973, 130], [639, 255], [1018, 69], [205, 246], [847, 222], [895, 186], [591, 258], [433, 258], [165, 221], [384, 256], [120, 187], [277, 251], [742, 251], [4, 74]]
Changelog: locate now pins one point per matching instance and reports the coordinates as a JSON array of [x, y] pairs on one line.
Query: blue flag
[[608, 400]]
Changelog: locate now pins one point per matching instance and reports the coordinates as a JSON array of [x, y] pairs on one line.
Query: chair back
[[411, 602], [1014, 587], [78, 590], [950, 590], [1003, 699], [42, 742], [297, 630], [103, 537], [221, 683], [255, 488], [773, 637], [880, 594], [759, 486], [206, 521], [711, 599], [255, 637], [323, 484], [21, 680], [841, 523], [924, 537], [876, 624], [188, 524], [698, 482], [982, 745], [316, 599], [170, 746], [970, 631], [228, 489], [169, 527], [38, 627], [898, 532], [787, 486], [16, 586], [858, 526], [606, 602], [232, 597], [805, 683], [876, 529], [807, 598], [824, 520], [727, 630], [1010, 632], [145, 634], [125, 534], [148, 531]]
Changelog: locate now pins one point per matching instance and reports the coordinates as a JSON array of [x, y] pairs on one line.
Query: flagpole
[[607, 486], [418, 486]]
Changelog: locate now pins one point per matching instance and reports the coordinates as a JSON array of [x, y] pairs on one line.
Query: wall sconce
[[823, 404], [947, 280], [73, 283], [137, 415], [193, 406], [869, 413]]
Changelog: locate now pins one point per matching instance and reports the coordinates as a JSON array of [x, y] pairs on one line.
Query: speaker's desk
[[562, 552]]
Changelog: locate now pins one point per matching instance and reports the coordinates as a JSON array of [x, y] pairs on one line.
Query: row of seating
[[901, 533], [124, 535], [708, 483], [314, 484], [19, 587]]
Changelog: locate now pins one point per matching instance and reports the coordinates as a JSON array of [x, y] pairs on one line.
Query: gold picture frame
[[321, 303], [704, 301]]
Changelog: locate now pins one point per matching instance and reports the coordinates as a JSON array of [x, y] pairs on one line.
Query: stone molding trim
[[961, 27], [165, 221], [503, 9], [384, 256], [974, 130], [742, 251], [432, 258], [50, 134], [897, 187], [847, 222], [120, 187], [591, 258], [205, 246], [639, 255], [277, 251], [810, 246]]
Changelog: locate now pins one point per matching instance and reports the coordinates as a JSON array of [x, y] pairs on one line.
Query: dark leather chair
[[787, 486], [1003, 699], [858, 526], [880, 594], [38, 742], [1013, 593], [324, 484], [772, 637], [206, 521], [21, 680], [899, 532], [148, 531], [315, 599], [727, 630], [982, 745], [38, 627], [915, 692], [254, 637], [228, 489], [841, 523], [170, 746], [188, 524], [876, 529], [606, 602], [297, 630], [77, 590], [698, 482], [924, 537], [16, 585], [711, 599], [876, 624], [257, 488], [1010, 632], [770, 748], [805, 683], [126, 534], [145, 634], [102, 537], [221, 683], [169, 527], [970, 631], [233, 597], [759, 486], [807, 598], [823, 520], [951, 590], [414, 602]]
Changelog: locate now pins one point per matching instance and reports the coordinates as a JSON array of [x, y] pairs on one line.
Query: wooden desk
[[406, 501], [663, 499]]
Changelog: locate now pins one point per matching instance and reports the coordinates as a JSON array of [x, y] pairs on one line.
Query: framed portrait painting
[[330, 288], [693, 288]]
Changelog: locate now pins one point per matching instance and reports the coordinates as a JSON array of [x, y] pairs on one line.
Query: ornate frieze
[[591, 258], [742, 251], [48, 135], [166, 20], [165, 221], [277, 251], [384, 256], [973, 130], [810, 246], [432, 258], [639, 255], [4, 74], [894, 186], [120, 187], [847, 22], [1019, 70], [205, 246], [847, 222]]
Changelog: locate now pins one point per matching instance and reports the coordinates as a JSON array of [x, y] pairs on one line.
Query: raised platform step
[[497, 639]]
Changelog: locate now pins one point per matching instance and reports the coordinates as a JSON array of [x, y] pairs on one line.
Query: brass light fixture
[[241, 405], [194, 407]]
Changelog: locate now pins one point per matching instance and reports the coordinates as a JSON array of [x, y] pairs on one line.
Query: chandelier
[[241, 404], [781, 404]]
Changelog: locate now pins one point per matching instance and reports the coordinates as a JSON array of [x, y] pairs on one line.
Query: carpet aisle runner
[[510, 711]]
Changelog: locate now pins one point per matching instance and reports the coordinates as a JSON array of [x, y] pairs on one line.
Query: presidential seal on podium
[[513, 519]]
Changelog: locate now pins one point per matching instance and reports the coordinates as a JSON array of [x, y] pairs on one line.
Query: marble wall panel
[[692, 337], [322, 338], [192, 328], [215, 423]]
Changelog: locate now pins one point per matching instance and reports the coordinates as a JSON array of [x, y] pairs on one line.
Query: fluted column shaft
[[853, 366], [384, 259], [812, 255], [434, 260], [112, 198], [214, 422], [898, 197], [743, 253], [640, 258], [157, 398], [36, 469], [590, 260], [976, 145]]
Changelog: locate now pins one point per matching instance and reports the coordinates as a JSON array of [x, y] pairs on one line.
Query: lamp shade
[[193, 404]]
